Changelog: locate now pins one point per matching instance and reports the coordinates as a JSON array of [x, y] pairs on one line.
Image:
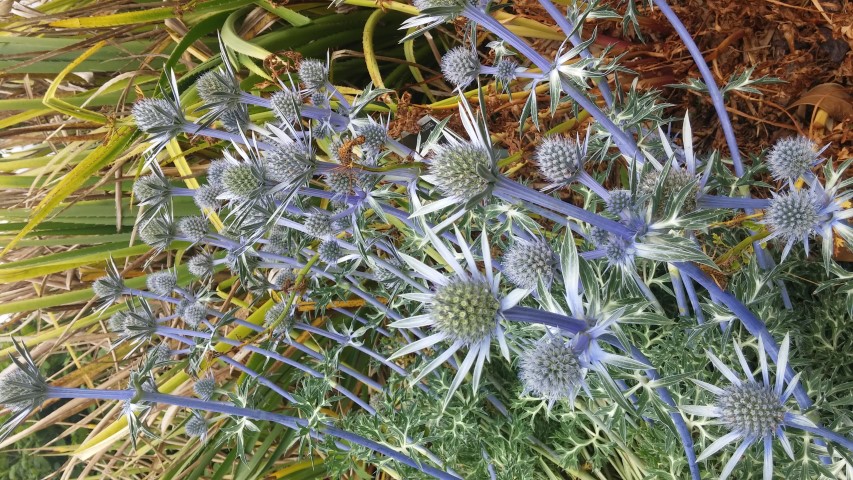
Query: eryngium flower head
[[160, 354], [551, 370], [559, 159], [116, 322], [162, 282], [619, 201], [279, 312], [676, 180], [341, 181], [218, 87], [204, 388], [427, 4], [196, 427], [157, 116], [526, 262], [313, 73], [751, 409], [505, 70], [793, 216], [201, 265], [465, 311], [109, 288], [206, 197], [288, 163], [792, 158], [235, 120], [320, 225], [152, 190], [192, 312], [599, 236], [329, 251], [461, 170], [619, 252], [243, 181], [320, 100], [159, 232], [460, 66], [193, 228], [284, 277], [375, 135], [20, 391], [216, 169], [286, 104]]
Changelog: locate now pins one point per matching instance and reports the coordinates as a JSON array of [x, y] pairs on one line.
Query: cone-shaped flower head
[[196, 427], [243, 181], [465, 310], [792, 158], [329, 251], [462, 170], [460, 66], [505, 70], [619, 201], [375, 135], [22, 390], [152, 189], [313, 73], [193, 228], [288, 163], [794, 216], [162, 283], [286, 104], [559, 158], [201, 265], [206, 197], [205, 387], [528, 261], [550, 369], [158, 116]]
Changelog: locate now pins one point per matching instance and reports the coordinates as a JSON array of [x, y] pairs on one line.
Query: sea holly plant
[[350, 285]]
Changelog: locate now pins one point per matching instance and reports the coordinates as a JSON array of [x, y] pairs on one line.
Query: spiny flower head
[[152, 189], [235, 119], [243, 181], [160, 354], [460, 66], [375, 135], [201, 265], [559, 158], [313, 73], [288, 163], [284, 277], [193, 228], [116, 322], [341, 181], [793, 216], [158, 116], [286, 104], [206, 197], [550, 369], [196, 427], [20, 391], [320, 225], [218, 87], [329, 251], [462, 170], [619, 252], [676, 180], [192, 311], [527, 261], [619, 201], [465, 310], [216, 169], [792, 158], [599, 236], [505, 71], [752, 409], [163, 282], [109, 288], [205, 387], [159, 232], [279, 312]]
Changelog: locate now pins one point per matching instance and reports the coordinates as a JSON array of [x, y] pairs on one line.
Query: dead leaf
[[830, 97]]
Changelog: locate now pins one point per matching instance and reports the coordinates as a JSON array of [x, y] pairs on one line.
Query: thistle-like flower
[[109, 288], [22, 390], [139, 325], [192, 311], [462, 171], [551, 369], [286, 104], [526, 262], [505, 71], [280, 315], [329, 251], [153, 189], [751, 410], [795, 216], [460, 66], [314, 74], [196, 427], [219, 88], [792, 158], [205, 387], [375, 135], [159, 117], [464, 309], [560, 159], [162, 283], [193, 228], [289, 163], [201, 265], [243, 181], [320, 225], [206, 197], [432, 14], [159, 232], [619, 201]]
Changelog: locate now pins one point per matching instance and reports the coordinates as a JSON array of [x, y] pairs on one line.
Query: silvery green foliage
[[460, 66], [601, 306]]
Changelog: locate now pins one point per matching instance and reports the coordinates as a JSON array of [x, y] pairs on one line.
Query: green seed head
[[465, 310]]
